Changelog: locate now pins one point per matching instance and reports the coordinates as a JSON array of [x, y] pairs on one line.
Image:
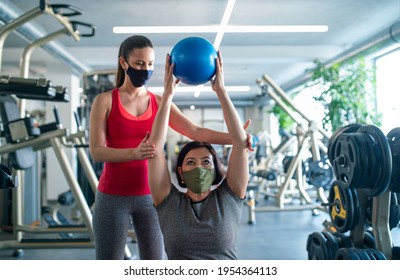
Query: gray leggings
[[111, 218]]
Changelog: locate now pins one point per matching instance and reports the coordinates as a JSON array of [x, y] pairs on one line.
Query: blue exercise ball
[[194, 59]]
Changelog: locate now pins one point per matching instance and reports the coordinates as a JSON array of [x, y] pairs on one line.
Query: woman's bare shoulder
[[158, 98], [103, 98]]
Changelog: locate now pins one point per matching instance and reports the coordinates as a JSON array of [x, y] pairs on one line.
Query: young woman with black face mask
[[202, 221], [120, 122]]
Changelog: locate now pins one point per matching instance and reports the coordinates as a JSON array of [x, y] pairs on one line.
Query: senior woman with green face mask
[[199, 220]]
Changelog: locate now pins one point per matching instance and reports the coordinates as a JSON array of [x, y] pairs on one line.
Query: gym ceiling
[[354, 26]]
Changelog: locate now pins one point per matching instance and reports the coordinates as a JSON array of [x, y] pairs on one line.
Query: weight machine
[[23, 139], [305, 138]]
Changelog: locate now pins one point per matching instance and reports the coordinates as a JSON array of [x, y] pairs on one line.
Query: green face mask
[[199, 180]]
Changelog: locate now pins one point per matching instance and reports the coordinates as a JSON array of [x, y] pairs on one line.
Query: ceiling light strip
[[166, 29], [275, 28], [205, 89], [216, 29], [224, 23]]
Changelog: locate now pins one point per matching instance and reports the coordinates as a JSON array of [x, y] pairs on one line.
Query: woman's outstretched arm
[[159, 177], [238, 165]]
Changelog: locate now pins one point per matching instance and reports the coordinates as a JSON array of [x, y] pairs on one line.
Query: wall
[[387, 90]]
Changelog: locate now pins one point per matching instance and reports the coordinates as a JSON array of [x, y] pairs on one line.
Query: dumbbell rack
[[379, 223], [366, 210]]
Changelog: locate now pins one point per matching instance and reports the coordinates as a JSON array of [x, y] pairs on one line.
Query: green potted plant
[[347, 92], [285, 121]]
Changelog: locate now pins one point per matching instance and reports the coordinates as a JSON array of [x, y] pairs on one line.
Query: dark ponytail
[[125, 50]]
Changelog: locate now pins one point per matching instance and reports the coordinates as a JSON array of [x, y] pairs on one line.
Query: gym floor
[[276, 235]]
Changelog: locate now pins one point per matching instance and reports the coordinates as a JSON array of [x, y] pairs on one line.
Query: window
[[388, 90]]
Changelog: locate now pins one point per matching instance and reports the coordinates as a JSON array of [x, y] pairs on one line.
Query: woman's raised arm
[[159, 177]]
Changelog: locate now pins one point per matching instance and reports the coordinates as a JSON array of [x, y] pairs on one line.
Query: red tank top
[[127, 131]]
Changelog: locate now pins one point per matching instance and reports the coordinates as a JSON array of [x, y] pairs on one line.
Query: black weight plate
[[286, 163], [266, 174], [369, 240], [332, 140], [347, 157], [393, 138], [317, 247], [383, 172], [363, 255], [341, 207], [320, 174], [344, 240], [333, 243], [347, 254], [287, 160], [375, 254], [370, 254]]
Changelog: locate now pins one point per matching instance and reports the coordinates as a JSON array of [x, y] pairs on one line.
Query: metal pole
[[74, 185]]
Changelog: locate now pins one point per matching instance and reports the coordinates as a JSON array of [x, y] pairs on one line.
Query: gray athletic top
[[205, 230]]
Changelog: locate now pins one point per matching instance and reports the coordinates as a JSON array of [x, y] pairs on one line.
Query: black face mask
[[138, 77]]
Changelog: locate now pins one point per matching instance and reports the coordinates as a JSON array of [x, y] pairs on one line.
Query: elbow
[[193, 133], [158, 154], [94, 156], [241, 142]]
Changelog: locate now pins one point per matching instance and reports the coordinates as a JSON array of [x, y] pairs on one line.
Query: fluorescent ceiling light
[[223, 24], [275, 28], [166, 29], [218, 28], [191, 89]]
